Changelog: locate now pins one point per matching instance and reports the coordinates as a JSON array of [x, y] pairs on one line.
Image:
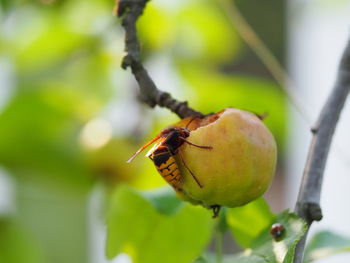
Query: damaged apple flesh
[[240, 166]]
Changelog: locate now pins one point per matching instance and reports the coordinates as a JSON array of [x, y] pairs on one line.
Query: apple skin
[[240, 166]]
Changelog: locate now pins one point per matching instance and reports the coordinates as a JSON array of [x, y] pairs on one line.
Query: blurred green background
[[70, 117]]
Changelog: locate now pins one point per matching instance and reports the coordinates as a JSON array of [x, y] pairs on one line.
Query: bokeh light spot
[[96, 133]]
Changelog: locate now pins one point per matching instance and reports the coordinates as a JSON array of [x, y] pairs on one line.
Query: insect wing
[[142, 148], [149, 153]]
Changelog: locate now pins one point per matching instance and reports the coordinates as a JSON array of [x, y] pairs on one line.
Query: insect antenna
[[142, 148], [194, 177]]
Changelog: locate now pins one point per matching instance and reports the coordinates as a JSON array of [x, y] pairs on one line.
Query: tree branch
[[130, 10], [308, 203]]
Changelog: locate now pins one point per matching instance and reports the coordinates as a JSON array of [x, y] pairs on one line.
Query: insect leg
[[196, 145], [194, 177]]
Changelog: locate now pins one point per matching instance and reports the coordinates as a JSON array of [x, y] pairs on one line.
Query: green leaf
[[164, 200], [136, 227], [17, 245], [54, 214], [206, 258], [5, 5], [51, 120], [194, 31], [264, 248], [247, 222], [324, 244], [204, 34], [281, 251], [239, 258]]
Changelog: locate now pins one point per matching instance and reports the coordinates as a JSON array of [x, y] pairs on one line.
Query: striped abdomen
[[167, 166]]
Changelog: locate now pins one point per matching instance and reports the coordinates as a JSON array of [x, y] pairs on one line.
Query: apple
[[240, 166]]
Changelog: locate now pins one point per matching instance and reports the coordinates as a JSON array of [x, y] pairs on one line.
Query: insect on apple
[[277, 231], [164, 151]]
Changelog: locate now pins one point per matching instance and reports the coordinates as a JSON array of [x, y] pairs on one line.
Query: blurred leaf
[[157, 27], [31, 60], [40, 57], [89, 17], [164, 200], [210, 258], [155, 237], [60, 61], [246, 222], [55, 213], [5, 5], [195, 30], [215, 91], [205, 34], [35, 41], [264, 248], [39, 132], [324, 244], [206, 258], [16, 245], [109, 163]]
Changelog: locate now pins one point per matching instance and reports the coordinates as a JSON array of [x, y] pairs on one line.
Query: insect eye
[[166, 131], [185, 131]]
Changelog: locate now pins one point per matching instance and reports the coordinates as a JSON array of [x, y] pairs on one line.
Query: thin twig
[[308, 204], [130, 10], [269, 60], [276, 69]]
